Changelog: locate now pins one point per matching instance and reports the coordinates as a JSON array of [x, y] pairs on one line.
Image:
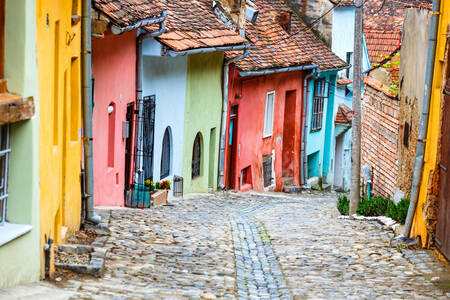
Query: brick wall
[[379, 136]]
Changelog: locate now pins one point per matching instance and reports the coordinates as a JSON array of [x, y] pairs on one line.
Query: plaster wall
[[251, 145], [202, 113], [114, 84], [20, 258], [165, 77], [320, 143], [412, 77], [59, 67]]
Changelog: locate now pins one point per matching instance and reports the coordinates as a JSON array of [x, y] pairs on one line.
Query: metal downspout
[[223, 125], [139, 67], [87, 113], [304, 165], [421, 140]]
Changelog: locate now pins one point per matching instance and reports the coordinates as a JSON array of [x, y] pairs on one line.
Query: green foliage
[[343, 205], [376, 206], [398, 212]]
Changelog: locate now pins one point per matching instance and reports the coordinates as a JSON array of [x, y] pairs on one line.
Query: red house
[[265, 94]]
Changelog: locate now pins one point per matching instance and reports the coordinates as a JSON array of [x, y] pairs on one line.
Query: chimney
[[284, 18]]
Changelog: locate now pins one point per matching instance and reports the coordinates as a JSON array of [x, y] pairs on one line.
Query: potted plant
[[161, 192]]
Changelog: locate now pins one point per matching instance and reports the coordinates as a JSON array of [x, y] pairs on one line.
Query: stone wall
[[412, 78], [379, 131]]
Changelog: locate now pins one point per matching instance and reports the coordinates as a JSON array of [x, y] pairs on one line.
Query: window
[[165, 154], [196, 156], [406, 131], [321, 91], [4, 159], [111, 133], [349, 60], [268, 116]]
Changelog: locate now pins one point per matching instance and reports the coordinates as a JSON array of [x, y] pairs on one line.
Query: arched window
[[197, 156], [166, 154]]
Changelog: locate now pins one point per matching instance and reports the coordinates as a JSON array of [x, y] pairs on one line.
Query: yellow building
[[425, 218], [59, 68]]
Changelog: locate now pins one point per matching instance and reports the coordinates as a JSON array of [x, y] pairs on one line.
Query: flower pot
[[159, 197]]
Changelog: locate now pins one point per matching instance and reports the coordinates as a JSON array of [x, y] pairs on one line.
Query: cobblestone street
[[253, 246]]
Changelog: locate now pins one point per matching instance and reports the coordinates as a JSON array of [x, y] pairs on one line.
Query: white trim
[[267, 132], [10, 231]]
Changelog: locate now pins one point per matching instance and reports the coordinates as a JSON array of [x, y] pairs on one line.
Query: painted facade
[[114, 89], [58, 56], [20, 257], [193, 107], [320, 143], [248, 145], [425, 213], [343, 45], [160, 76]]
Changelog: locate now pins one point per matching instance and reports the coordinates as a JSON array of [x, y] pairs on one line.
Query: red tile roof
[[190, 24], [344, 81], [127, 12], [344, 115], [273, 47], [379, 86], [383, 20]]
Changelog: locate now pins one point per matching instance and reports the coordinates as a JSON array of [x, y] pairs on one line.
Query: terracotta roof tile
[[344, 81], [343, 2], [192, 24], [273, 47], [127, 12], [379, 86], [344, 115], [383, 20]]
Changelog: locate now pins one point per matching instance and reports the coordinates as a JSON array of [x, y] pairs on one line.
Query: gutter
[[141, 35], [142, 23], [276, 70], [421, 139], [223, 124], [86, 60], [173, 53]]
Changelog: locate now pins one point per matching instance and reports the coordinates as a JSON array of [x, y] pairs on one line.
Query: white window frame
[[268, 124]]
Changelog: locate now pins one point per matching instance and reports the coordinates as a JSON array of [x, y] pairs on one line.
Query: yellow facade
[[59, 68], [433, 134]]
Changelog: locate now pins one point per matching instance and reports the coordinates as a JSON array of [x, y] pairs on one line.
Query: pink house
[[114, 60], [114, 73]]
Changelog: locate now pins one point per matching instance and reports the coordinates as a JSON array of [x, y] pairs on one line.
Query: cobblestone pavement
[[250, 246]]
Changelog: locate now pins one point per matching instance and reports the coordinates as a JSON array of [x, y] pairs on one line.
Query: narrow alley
[[253, 246]]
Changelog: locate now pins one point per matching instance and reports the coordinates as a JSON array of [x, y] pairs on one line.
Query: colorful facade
[[19, 227], [425, 217], [269, 139], [114, 93], [59, 67]]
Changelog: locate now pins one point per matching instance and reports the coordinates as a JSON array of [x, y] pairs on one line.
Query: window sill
[[267, 136], [10, 231]]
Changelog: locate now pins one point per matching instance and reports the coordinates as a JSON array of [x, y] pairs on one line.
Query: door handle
[[442, 167]]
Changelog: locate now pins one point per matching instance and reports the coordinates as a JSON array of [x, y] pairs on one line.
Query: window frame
[[318, 104], [196, 163], [268, 132], [166, 157], [349, 60]]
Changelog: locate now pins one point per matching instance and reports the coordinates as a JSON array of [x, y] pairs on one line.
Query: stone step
[[292, 189]]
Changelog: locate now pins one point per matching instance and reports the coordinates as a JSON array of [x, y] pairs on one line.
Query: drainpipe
[[421, 140], [304, 165], [141, 35], [87, 113], [223, 132]]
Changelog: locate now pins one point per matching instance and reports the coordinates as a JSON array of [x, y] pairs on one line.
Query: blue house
[[329, 149]]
